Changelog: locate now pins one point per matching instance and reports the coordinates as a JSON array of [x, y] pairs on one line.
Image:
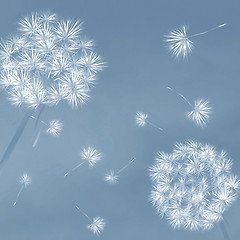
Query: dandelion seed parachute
[[90, 155], [142, 119], [97, 224], [54, 128], [193, 186], [201, 110], [112, 177], [180, 43], [200, 113], [25, 181]]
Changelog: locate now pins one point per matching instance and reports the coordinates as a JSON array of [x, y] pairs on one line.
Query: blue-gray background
[[129, 35]]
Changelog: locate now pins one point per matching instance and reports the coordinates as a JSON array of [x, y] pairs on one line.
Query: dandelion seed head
[[141, 119], [25, 179], [200, 113], [193, 186], [55, 128], [179, 43], [91, 155], [97, 226], [111, 177], [50, 51]]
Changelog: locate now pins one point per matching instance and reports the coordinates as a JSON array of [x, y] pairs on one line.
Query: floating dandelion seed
[[40, 62], [142, 120], [112, 177], [193, 186], [90, 155], [25, 181], [180, 44], [53, 128], [200, 112], [97, 224]]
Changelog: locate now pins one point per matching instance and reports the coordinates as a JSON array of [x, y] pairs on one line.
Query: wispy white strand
[[37, 138], [210, 30], [73, 169], [112, 177], [15, 202]]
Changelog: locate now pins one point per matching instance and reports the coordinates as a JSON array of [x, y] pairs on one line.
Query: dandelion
[[142, 120], [39, 62], [48, 49], [200, 112], [112, 177], [25, 181], [180, 43], [188, 189], [89, 155], [96, 225]]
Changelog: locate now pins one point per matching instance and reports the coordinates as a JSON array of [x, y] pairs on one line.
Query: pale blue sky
[[129, 35]]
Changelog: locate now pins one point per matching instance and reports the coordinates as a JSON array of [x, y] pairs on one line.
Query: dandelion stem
[[212, 29], [182, 96], [18, 195], [37, 138], [153, 125], [39, 115], [125, 166], [80, 210], [74, 168], [224, 231], [15, 139]]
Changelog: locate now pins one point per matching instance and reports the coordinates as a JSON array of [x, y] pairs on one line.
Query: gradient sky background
[[129, 35]]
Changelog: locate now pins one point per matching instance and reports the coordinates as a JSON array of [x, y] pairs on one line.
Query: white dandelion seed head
[[200, 113], [91, 155], [55, 127], [41, 62], [25, 179], [97, 226], [193, 186], [111, 177], [75, 91], [141, 119], [179, 43]]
